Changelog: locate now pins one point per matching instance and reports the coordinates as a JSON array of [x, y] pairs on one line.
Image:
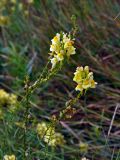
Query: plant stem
[[26, 124]]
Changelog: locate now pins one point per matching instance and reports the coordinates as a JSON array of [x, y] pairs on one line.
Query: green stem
[[29, 91], [26, 125], [42, 80]]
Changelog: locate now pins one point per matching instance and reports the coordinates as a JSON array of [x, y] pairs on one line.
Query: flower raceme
[[48, 134], [84, 79], [61, 47], [9, 157], [8, 100]]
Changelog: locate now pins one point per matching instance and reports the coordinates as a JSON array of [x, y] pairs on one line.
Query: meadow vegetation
[[59, 80]]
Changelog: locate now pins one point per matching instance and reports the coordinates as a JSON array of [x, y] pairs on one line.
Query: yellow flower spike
[[48, 134], [12, 99], [9, 157], [61, 47], [84, 79]]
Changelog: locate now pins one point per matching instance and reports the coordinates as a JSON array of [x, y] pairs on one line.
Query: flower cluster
[[8, 100], [9, 157], [61, 47], [48, 134], [4, 20], [84, 79]]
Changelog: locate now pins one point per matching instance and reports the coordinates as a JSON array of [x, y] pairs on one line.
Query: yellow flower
[[4, 96], [43, 129], [70, 51], [48, 134], [55, 48], [56, 39], [61, 47], [12, 102], [12, 99], [4, 20], [9, 157], [84, 78], [59, 138], [69, 44], [54, 61], [60, 56], [8, 100]]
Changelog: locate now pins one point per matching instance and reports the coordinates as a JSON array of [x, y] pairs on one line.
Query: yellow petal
[[79, 87]]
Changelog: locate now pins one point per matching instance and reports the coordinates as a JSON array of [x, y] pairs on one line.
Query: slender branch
[[27, 96]]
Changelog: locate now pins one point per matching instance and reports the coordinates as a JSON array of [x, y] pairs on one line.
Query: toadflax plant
[[9, 157], [61, 49]]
